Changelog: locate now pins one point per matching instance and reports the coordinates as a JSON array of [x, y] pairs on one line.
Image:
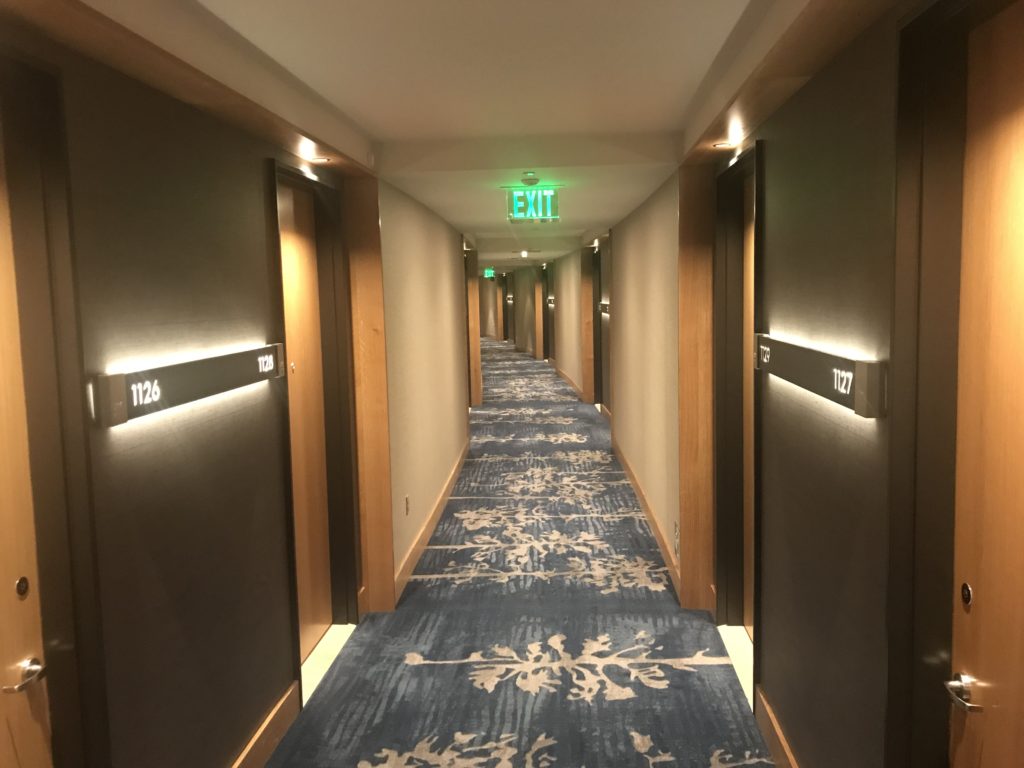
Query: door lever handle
[[959, 690], [31, 671]]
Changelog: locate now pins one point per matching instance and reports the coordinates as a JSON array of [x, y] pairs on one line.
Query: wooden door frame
[[343, 492], [728, 453], [57, 413], [931, 141]]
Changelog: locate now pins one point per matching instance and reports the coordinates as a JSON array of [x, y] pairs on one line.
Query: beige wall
[[488, 308], [425, 323], [567, 317], [644, 346], [525, 281]]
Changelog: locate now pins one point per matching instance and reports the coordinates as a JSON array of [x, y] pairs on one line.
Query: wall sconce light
[[856, 384]]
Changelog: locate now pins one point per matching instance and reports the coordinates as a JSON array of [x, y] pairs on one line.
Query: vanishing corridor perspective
[[475, 384], [540, 627]]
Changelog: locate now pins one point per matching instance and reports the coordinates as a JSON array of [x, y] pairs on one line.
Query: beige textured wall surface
[[425, 326], [525, 282], [567, 317], [488, 308], [644, 346]]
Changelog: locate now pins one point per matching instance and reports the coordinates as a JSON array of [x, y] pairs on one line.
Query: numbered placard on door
[[118, 398]]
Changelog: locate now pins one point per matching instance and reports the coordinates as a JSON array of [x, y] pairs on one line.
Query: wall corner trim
[[663, 542], [270, 732], [772, 731], [415, 552]]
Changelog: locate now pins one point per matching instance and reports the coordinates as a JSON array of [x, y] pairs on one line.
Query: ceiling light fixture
[[524, 254], [307, 148], [736, 131], [530, 178]]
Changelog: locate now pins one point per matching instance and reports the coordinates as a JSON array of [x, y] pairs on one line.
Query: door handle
[[959, 690], [31, 671]]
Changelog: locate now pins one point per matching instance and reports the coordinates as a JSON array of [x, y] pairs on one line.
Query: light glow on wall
[[846, 349], [143, 363]]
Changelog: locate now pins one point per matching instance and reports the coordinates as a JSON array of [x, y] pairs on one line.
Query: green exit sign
[[489, 272], [533, 204]]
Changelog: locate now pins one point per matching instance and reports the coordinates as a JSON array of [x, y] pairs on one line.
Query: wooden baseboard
[[416, 552], [667, 552], [567, 380], [772, 731], [263, 743], [362, 596]]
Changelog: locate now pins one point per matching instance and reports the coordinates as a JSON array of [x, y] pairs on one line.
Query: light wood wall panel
[[566, 290], [305, 414], [696, 388], [499, 293], [748, 403], [587, 325], [476, 379], [360, 220], [538, 319]]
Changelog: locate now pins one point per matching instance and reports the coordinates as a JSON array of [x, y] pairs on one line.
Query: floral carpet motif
[[540, 628]]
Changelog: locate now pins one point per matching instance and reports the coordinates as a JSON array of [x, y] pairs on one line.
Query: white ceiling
[[415, 69], [462, 96]]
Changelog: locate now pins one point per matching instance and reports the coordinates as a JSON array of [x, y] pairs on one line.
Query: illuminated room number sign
[[267, 363], [842, 380], [120, 397], [856, 384], [145, 393]]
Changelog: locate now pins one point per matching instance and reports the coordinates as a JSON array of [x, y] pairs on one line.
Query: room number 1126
[[146, 392]]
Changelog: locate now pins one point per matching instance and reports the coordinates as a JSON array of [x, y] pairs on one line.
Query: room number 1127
[[842, 381]]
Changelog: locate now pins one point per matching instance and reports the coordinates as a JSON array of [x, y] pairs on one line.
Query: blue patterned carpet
[[540, 629]]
